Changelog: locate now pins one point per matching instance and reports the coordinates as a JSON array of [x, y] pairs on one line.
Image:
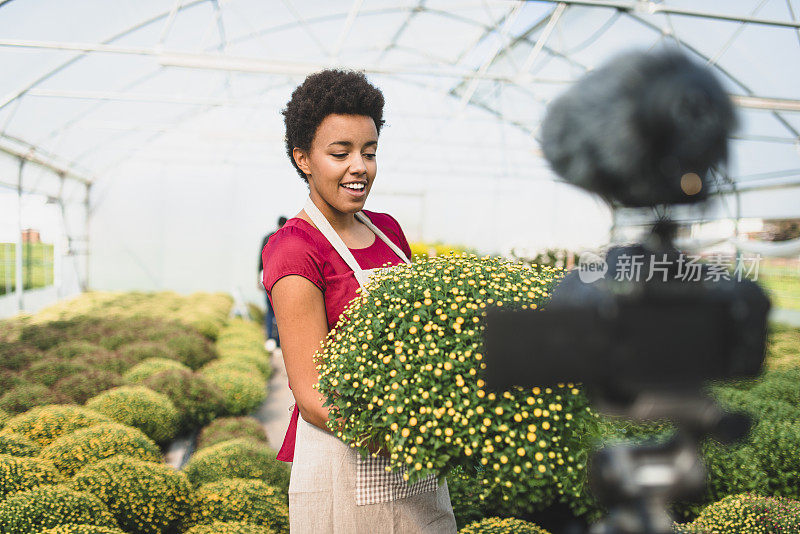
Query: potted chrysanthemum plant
[[403, 369]]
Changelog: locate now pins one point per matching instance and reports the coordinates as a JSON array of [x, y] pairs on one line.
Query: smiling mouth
[[357, 189]]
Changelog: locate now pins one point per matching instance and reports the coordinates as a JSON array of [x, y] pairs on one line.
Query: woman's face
[[341, 164]]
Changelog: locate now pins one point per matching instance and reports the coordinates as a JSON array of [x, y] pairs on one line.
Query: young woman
[[312, 268]]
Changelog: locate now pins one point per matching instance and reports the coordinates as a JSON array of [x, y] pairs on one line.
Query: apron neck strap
[[324, 226]]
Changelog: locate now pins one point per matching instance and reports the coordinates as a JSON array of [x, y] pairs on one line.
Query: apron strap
[[400, 254], [322, 224]]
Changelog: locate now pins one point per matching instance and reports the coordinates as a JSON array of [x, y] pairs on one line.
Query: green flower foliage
[[20, 474], [192, 349], [81, 387], [227, 428], [49, 506], [197, 400], [509, 525], [238, 458], [15, 356], [242, 392], [230, 527], [402, 369], [9, 380], [151, 412], [746, 513], [45, 424], [4, 417], [69, 350], [113, 362], [151, 366], [18, 445], [72, 528], [248, 501], [25, 396], [144, 497], [206, 311], [145, 350], [465, 488], [242, 340], [256, 358], [83, 447], [779, 385], [233, 364], [46, 336]]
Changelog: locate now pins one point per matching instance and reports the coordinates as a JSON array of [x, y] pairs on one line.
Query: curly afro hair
[[321, 94]]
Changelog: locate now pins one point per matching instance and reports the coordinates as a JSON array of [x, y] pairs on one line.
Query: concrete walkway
[[274, 413]]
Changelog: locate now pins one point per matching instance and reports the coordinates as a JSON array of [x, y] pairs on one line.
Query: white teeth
[[355, 187]]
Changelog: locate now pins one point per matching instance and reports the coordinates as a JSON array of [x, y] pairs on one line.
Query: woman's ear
[[301, 159]]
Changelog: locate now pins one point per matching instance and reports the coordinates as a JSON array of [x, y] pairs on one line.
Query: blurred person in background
[[270, 326], [312, 269]]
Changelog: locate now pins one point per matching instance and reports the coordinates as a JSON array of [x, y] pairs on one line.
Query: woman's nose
[[357, 165]]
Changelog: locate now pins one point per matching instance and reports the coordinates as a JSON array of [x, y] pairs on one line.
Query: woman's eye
[[370, 156], [339, 155]]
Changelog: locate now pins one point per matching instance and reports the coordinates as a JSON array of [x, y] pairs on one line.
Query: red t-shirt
[[299, 248]]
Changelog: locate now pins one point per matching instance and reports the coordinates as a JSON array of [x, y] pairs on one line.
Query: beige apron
[[333, 489]]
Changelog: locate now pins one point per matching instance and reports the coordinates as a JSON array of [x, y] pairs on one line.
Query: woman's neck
[[341, 222]]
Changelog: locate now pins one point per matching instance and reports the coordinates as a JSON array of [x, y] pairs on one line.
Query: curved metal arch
[[49, 74], [716, 66]]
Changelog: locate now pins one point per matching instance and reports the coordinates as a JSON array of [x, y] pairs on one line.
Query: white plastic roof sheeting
[[171, 110]]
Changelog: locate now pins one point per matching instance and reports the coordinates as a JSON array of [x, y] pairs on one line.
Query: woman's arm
[[302, 322]]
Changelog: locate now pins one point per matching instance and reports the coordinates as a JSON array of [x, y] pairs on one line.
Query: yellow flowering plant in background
[[403, 369]]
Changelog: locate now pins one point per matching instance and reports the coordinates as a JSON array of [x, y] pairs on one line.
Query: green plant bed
[[114, 362], [783, 346], [192, 349], [4, 418], [238, 458], [228, 428], [81, 387], [746, 514], [248, 501], [9, 380], [242, 392], [15, 356], [496, 525], [84, 447], [144, 497], [779, 385], [259, 360], [25, 396], [74, 349], [149, 367], [47, 335], [230, 527], [20, 474], [151, 412], [80, 529], [197, 400], [49, 506], [233, 364], [18, 445], [465, 488], [144, 350], [51, 369], [45, 424]]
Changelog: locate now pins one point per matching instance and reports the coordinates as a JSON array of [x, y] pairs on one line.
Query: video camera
[[644, 131]]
